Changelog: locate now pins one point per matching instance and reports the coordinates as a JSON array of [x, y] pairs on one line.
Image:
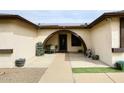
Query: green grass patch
[[95, 70]]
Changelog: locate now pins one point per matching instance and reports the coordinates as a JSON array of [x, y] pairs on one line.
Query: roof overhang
[[62, 27], [7, 16], [105, 15]]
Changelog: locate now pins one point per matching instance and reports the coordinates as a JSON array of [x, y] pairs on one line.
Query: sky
[[58, 16]]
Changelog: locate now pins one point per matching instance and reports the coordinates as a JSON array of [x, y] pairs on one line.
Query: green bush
[[95, 57], [39, 49], [20, 62], [120, 65]]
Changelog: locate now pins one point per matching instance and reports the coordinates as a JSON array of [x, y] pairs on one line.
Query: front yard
[[21, 75]]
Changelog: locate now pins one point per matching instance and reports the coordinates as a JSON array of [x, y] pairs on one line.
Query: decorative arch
[[84, 44]]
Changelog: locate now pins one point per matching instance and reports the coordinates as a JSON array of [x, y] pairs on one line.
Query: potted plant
[[20, 62], [95, 57], [120, 65]]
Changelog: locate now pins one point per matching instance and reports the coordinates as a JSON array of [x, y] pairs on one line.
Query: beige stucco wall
[[109, 34], [6, 36], [115, 25], [19, 36], [54, 40], [24, 39], [101, 41]]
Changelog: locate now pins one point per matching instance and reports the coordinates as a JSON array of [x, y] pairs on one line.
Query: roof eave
[[18, 17], [103, 16], [62, 27]]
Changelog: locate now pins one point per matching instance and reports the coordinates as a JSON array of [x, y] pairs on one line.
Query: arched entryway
[[62, 37]]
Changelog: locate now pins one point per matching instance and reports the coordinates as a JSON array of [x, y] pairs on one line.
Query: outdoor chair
[[50, 49]]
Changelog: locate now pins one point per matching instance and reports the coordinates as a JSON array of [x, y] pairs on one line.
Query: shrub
[[120, 65], [89, 53], [95, 57], [39, 49], [20, 62]]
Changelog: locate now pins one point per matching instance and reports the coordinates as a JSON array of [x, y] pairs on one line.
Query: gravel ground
[[21, 75]]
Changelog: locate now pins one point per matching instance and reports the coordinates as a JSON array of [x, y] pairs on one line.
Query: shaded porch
[[64, 41]]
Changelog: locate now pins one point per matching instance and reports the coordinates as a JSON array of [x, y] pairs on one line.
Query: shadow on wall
[[5, 55]]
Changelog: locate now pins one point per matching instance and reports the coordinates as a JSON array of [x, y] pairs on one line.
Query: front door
[[63, 43]]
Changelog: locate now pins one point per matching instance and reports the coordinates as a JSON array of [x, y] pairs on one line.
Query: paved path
[[116, 77], [92, 78], [79, 60], [40, 61], [58, 72], [99, 77]]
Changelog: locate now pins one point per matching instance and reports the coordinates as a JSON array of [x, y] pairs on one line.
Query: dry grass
[[21, 75]]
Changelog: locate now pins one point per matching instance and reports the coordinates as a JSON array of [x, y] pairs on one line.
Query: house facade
[[104, 36]]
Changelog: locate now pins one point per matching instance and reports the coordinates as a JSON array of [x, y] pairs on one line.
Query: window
[[75, 41]]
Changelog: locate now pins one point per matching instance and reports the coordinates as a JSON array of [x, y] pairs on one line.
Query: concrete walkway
[[116, 77], [58, 72], [79, 60], [59, 69], [99, 77], [92, 78], [40, 61]]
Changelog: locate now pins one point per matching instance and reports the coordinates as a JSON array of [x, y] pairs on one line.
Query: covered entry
[[65, 41]]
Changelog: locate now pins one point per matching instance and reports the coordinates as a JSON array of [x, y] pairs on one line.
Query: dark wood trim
[[120, 32], [117, 50], [62, 27], [6, 51]]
